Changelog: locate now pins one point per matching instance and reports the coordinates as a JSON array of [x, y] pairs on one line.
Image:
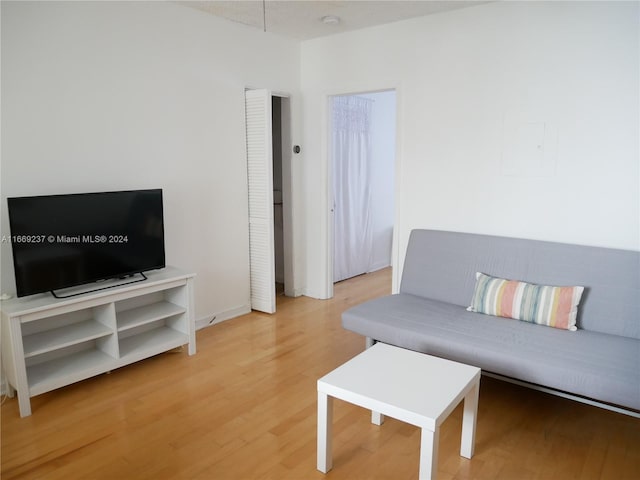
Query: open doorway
[[362, 160], [282, 208]]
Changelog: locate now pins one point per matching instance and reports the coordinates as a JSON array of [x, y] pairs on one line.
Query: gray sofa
[[600, 361]]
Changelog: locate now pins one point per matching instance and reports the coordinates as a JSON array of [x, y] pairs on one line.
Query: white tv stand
[[48, 343]]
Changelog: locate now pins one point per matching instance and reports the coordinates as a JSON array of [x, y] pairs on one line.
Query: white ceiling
[[302, 19]]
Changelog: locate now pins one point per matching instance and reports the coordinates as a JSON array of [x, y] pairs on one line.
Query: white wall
[[125, 95], [465, 79], [383, 153]]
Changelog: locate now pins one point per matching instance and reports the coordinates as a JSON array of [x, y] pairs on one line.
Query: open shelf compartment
[[136, 317], [151, 342], [62, 371], [57, 338]]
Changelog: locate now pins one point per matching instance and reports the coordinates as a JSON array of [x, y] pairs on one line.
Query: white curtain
[[351, 151]]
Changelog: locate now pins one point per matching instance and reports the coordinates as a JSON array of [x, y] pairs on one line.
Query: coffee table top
[[413, 387]]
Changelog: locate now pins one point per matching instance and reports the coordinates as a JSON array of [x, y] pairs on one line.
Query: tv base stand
[[48, 343], [75, 291]]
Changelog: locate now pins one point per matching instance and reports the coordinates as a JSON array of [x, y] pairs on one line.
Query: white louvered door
[[260, 178]]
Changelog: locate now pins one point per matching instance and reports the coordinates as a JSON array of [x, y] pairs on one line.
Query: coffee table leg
[[428, 454], [469, 417], [325, 424]]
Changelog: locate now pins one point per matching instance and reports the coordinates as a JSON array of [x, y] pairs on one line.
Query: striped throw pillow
[[545, 305]]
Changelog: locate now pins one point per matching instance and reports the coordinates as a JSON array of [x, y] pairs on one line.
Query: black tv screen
[[61, 241]]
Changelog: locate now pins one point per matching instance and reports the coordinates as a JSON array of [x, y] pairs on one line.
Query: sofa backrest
[[442, 266]]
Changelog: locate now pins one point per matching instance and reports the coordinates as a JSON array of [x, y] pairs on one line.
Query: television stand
[[48, 343], [84, 289]]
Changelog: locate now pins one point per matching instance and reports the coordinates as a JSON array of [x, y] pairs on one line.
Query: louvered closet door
[[260, 176]]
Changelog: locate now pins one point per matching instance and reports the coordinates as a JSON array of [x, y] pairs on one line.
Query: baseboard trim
[[218, 317], [378, 266]]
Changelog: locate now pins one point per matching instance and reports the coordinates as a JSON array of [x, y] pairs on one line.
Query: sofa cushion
[[542, 304], [595, 365], [442, 266]]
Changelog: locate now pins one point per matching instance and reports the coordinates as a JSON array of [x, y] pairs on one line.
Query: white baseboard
[[315, 295], [218, 317], [378, 266], [298, 292]]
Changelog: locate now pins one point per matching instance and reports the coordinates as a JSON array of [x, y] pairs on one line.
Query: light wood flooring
[[244, 407]]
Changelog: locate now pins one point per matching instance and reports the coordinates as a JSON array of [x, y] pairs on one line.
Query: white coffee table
[[412, 387]]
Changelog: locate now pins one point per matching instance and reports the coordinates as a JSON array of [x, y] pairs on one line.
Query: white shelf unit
[[48, 343]]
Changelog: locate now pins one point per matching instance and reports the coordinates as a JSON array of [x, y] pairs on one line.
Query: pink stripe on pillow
[[506, 302], [565, 305]]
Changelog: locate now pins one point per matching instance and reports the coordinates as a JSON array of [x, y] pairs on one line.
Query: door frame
[[330, 227]]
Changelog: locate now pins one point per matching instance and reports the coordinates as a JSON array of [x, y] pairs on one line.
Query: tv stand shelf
[[48, 343]]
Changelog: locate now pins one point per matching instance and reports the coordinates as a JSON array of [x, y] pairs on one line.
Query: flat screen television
[[61, 241]]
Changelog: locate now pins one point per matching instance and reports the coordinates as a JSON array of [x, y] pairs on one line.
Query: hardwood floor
[[244, 407]]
